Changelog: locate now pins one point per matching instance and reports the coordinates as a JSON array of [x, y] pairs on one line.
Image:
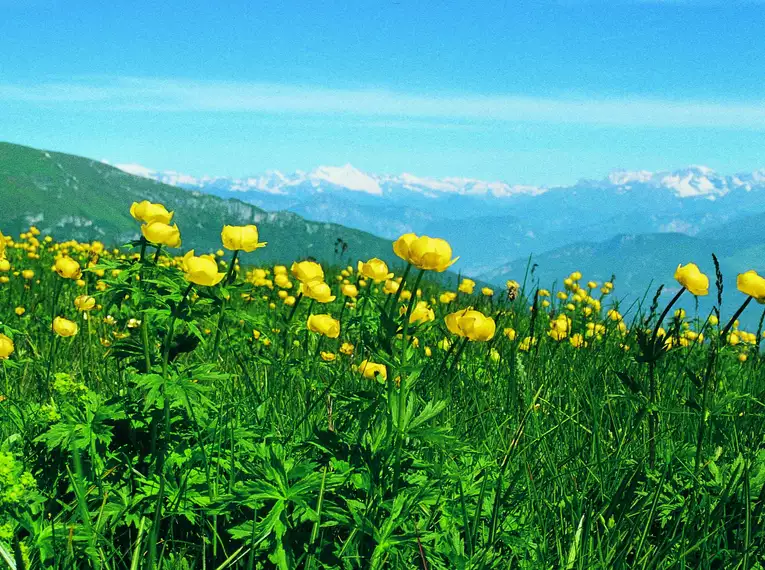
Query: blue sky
[[535, 92]]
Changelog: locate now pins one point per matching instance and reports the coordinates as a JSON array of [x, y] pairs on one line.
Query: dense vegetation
[[167, 412]]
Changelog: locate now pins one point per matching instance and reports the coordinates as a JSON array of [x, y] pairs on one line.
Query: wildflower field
[[161, 410]]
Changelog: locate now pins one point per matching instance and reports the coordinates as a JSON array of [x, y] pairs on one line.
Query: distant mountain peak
[[347, 177]]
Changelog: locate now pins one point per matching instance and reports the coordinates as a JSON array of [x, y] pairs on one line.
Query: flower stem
[[226, 281]]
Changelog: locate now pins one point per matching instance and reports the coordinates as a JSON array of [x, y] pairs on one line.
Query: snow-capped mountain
[[489, 223], [338, 177]]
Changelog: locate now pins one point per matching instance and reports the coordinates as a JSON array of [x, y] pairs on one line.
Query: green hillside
[[642, 262], [71, 197]]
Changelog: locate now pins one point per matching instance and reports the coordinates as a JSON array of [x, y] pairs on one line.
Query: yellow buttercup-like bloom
[[84, 303], [64, 327], [325, 325], [420, 314], [318, 291], [390, 287], [375, 269], [752, 284], [28, 274], [467, 286], [349, 290], [692, 279], [202, 270], [487, 291], [307, 271], [6, 346], [244, 238], [162, 234], [370, 370], [433, 254], [281, 280], [328, 356], [471, 324], [147, 212], [67, 268]]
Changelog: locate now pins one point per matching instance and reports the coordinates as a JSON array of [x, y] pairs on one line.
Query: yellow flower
[[318, 291], [67, 268], [202, 270], [64, 327], [244, 238], [328, 356], [512, 285], [162, 234], [424, 252], [692, 279], [375, 269], [742, 357], [447, 297], [752, 284], [147, 212], [559, 327], [370, 370], [325, 325], [346, 348], [28, 274], [467, 286], [289, 301], [5, 265], [281, 280], [390, 287], [487, 291], [577, 341], [420, 314], [349, 290], [6, 346], [307, 271], [471, 324], [19, 310], [84, 302], [510, 333]]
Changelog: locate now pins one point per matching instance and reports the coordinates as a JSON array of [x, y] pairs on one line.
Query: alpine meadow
[[382, 285], [163, 409]]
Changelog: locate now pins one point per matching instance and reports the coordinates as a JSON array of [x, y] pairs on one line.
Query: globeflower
[[487, 291], [692, 279], [421, 313], [6, 346], [325, 325], [64, 327], [281, 280], [307, 271], [67, 268], [147, 212], [318, 291], [427, 253], [390, 287], [349, 290], [559, 327], [243, 238], [202, 270], [751, 284], [162, 234], [375, 269], [84, 302], [471, 324], [370, 370], [466, 286]]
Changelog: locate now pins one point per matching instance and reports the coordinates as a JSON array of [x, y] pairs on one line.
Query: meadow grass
[[191, 426]]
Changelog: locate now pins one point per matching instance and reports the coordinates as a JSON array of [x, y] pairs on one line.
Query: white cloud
[[178, 95]]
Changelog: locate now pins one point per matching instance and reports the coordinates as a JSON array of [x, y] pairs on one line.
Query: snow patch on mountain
[[347, 177]]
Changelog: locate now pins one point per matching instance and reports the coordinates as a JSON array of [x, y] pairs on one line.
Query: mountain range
[[71, 197], [495, 225], [636, 225]]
